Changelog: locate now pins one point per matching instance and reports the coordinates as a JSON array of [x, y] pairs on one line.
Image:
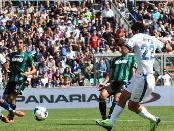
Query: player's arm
[[106, 80], [32, 65], [108, 76], [133, 71], [166, 45], [134, 67], [30, 72]]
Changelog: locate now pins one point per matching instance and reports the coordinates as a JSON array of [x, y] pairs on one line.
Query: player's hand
[[100, 86], [27, 73]]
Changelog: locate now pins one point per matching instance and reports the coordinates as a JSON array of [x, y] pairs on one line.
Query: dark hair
[[20, 38], [138, 26], [121, 42]]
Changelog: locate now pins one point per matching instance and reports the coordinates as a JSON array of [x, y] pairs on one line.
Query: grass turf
[[84, 120]]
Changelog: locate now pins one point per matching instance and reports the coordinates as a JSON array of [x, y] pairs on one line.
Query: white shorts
[[140, 87]]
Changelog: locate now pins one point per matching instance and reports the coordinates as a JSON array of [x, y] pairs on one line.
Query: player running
[[19, 62], [143, 82], [3, 103], [122, 69]]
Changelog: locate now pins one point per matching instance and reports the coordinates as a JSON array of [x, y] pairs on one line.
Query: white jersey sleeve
[[160, 45], [131, 42]]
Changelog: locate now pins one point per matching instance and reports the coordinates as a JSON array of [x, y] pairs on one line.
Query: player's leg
[[144, 113], [125, 95], [11, 92], [141, 110], [108, 123], [4, 118], [105, 93], [145, 88], [117, 88], [102, 103], [12, 101], [5, 105], [116, 99]]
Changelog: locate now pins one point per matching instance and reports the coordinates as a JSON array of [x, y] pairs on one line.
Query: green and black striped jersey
[[122, 66], [19, 61]]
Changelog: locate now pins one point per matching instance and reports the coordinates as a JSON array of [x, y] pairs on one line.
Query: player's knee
[[133, 106], [103, 95], [102, 98], [117, 97]]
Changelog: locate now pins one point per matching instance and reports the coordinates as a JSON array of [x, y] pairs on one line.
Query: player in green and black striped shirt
[[122, 69], [19, 62]]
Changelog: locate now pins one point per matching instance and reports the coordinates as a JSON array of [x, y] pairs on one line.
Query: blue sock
[[6, 106]]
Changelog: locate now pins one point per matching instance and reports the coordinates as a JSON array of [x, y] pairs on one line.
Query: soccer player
[[122, 69], [3, 103], [143, 82], [19, 62]]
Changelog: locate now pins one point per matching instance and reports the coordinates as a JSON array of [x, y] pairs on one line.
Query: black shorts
[[114, 87], [14, 88]]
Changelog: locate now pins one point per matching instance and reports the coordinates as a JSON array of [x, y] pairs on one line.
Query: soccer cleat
[[105, 124], [18, 113], [153, 125], [5, 119]]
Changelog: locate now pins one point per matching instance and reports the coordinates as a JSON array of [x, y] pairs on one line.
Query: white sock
[[145, 114], [116, 112]]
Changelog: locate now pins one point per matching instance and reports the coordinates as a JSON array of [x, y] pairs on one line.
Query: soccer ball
[[40, 113]]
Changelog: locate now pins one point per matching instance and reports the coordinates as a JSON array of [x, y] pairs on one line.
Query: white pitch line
[[171, 121]]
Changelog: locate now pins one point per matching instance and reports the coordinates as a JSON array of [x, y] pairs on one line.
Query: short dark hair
[[138, 26], [20, 38], [121, 42]]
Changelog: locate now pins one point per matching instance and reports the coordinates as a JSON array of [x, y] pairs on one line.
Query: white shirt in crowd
[[108, 13], [165, 79], [2, 61]]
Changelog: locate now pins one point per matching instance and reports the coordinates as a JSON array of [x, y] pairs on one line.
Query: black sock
[[102, 108], [11, 116], [112, 108], [13, 106]]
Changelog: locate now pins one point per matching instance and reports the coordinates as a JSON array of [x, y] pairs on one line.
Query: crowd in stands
[[64, 36]]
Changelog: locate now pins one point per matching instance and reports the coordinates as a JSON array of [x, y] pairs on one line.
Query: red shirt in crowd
[[94, 40]]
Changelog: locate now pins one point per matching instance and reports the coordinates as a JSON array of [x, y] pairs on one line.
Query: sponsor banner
[[82, 97], [58, 98], [161, 96]]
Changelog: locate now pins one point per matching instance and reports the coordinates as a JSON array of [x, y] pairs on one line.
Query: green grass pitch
[[84, 120]]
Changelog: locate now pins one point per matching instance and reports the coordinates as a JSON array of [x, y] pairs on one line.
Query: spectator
[[48, 76], [49, 30], [57, 78], [51, 63], [164, 79], [94, 40], [108, 14], [101, 68], [68, 76], [156, 14]]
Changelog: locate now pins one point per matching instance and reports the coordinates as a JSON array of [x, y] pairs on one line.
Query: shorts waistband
[[145, 74]]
